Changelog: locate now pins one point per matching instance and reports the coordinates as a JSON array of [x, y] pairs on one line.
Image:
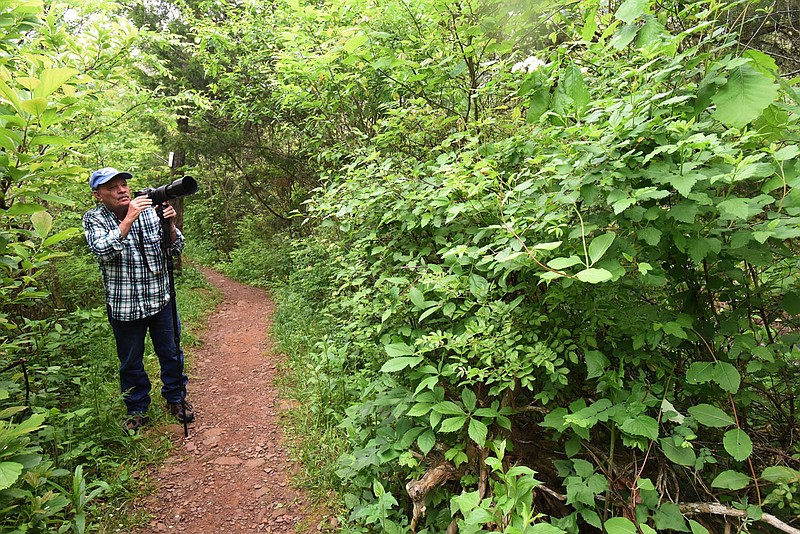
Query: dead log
[[418, 489]]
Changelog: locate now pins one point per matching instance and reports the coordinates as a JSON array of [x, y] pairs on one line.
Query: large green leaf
[[711, 416], [593, 275], [477, 431], [744, 96], [738, 444], [398, 364], [51, 79], [641, 425], [600, 245], [42, 223], [620, 525], [678, 455], [732, 480], [9, 473], [398, 349], [575, 86], [727, 376], [630, 10]]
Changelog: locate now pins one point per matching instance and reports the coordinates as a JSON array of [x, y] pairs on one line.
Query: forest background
[[535, 262]]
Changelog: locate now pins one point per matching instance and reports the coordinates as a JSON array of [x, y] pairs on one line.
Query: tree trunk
[[176, 171]]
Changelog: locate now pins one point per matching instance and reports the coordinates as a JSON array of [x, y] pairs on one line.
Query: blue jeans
[[133, 379]]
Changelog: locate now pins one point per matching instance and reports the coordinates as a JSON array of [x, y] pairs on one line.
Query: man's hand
[[137, 206], [169, 212]]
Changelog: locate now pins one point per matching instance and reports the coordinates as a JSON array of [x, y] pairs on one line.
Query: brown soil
[[231, 475]]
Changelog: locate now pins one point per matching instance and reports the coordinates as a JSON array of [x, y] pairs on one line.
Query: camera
[[180, 187]]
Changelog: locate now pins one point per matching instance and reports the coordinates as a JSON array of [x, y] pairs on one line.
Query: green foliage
[[594, 252]]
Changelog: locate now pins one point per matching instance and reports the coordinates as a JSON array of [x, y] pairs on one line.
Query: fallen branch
[[691, 508], [418, 489]]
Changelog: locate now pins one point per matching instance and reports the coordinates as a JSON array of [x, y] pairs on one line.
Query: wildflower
[[528, 65]]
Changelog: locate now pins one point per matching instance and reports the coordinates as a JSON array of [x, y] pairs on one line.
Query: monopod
[[185, 186]]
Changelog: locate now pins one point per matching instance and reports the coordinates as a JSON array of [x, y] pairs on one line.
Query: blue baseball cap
[[105, 174]]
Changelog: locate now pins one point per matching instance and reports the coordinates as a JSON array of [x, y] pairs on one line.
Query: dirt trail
[[231, 475]]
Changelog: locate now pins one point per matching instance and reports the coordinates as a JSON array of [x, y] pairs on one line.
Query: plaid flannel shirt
[[134, 268]]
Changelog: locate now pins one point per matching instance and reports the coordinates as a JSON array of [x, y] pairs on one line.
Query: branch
[[691, 508]]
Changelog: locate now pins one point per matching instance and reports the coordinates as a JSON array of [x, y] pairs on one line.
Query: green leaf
[[700, 372], [678, 455], [596, 363], [744, 96], [622, 38], [649, 235], [417, 297], [448, 408], [355, 42], [734, 208], [50, 80], [620, 525], [726, 376], [589, 26], [641, 425], [668, 517], [544, 528], [42, 223], [9, 473], [398, 349], [477, 431], [787, 153], [711, 416], [35, 106], [478, 286], [738, 444], [453, 424], [630, 10], [419, 409], [23, 208], [549, 245], [685, 211], [594, 276], [674, 329], [778, 474], [575, 86], [398, 364], [469, 399], [791, 303], [560, 264], [69, 233], [732, 480], [697, 528], [599, 246], [426, 441]]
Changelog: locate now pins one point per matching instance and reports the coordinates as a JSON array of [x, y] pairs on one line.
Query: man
[[125, 235]]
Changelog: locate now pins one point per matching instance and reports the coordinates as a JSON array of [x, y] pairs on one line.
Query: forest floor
[[232, 473]]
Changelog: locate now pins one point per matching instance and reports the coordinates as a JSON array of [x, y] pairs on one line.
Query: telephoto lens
[[180, 187]]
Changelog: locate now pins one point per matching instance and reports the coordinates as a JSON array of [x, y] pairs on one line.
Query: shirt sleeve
[[105, 242]]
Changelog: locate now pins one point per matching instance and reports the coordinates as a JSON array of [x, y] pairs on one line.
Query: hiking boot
[[176, 410], [134, 423]]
